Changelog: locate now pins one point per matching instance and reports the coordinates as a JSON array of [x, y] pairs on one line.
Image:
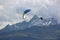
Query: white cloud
[[11, 10], [3, 24], [1, 7]]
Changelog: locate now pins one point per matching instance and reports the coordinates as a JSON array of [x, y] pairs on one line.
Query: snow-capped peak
[[45, 22]]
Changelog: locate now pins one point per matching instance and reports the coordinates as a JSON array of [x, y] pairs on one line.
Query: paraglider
[[41, 18], [25, 12]]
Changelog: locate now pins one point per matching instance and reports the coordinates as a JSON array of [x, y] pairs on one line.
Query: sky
[[11, 11]]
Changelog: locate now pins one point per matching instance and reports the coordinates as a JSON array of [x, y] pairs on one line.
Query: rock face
[[36, 29]]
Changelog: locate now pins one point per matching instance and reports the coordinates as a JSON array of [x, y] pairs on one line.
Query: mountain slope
[[50, 32], [21, 26], [35, 28], [35, 21]]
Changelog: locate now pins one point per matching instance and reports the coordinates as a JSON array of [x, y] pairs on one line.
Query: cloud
[[11, 11]]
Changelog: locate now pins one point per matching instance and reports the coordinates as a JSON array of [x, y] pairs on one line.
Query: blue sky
[[11, 11]]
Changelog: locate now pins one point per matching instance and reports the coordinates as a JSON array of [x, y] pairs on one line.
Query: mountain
[[35, 29], [51, 32], [14, 27], [35, 21]]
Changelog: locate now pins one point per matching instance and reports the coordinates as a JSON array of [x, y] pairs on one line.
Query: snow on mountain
[[50, 21], [35, 28], [35, 21], [45, 22]]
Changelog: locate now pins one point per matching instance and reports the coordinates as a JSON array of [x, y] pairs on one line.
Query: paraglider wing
[[25, 12]]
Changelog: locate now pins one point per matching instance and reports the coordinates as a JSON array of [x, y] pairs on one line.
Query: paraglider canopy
[[25, 12]]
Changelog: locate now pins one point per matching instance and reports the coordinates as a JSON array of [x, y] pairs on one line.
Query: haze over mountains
[[35, 29]]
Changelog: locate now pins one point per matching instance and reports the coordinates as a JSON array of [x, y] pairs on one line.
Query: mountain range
[[35, 29]]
